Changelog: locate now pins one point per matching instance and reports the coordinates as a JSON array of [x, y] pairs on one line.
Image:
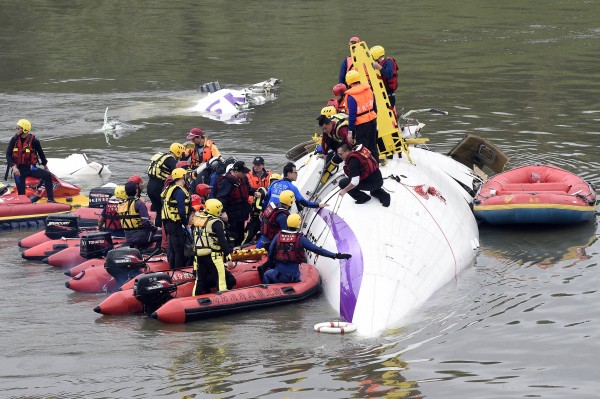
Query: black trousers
[[366, 134], [372, 183], [154, 189], [236, 230], [207, 275], [177, 237], [252, 229], [43, 174]]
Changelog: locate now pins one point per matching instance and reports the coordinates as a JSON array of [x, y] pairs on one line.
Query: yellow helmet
[[377, 52], [274, 177], [294, 221], [120, 192], [287, 197], [352, 77], [178, 173], [328, 111], [214, 207], [25, 125], [177, 149]]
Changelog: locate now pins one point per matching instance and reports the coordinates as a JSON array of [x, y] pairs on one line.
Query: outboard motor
[[99, 196], [62, 225], [95, 245], [154, 290], [124, 263]]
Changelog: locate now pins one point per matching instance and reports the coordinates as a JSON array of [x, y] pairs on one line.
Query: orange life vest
[[259, 181], [207, 154], [365, 103]]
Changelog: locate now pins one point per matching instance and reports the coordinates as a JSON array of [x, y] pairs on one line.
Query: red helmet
[[339, 89], [183, 164], [203, 190], [353, 40], [137, 179]]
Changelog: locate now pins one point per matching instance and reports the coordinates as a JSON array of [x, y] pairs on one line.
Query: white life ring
[[335, 327]]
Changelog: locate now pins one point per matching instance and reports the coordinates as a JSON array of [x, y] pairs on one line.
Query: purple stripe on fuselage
[[351, 270]]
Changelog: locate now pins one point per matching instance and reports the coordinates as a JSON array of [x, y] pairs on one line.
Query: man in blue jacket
[[290, 173]]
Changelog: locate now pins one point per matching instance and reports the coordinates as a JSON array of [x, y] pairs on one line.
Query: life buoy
[[335, 327]]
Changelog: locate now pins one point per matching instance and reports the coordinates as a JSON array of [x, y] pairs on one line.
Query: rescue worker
[[175, 213], [287, 251], [203, 190], [258, 176], [253, 225], [348, 63], [212, 250], [389, 72], [335, 132], [362, 113], [24, 151], [339, 94], [161, 166], [202, 149], [137, 179], [363, 175], [135, 218], [290, 173], [110, 220], [233, 190], [274, 218]]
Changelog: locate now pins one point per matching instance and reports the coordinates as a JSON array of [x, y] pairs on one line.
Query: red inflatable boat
[[32, 207], [97, 278], [181, 285], [535, 194], [183, 310], [65, 225]]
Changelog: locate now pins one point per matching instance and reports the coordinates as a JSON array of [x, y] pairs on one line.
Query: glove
[[342, 256]]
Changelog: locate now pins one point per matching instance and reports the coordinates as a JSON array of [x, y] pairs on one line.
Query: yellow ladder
[[390, 139]]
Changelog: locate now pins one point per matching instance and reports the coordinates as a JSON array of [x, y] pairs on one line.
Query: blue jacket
[[286, 184]]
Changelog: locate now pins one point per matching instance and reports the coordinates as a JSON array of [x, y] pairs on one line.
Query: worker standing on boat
[[24, 151], [253, 225], [233, 191], [202, 149], [290, 173], [137, 179], [258, 176], [175, 214], [389, 72], [287, 251], [135, 218], [362, 113], [347, 63], [109, 219], [335, 132], [161, 166], [199, 151], [212, 250], [363, 174]]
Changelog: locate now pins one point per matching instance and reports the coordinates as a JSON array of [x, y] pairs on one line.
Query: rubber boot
[[331, 166]]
